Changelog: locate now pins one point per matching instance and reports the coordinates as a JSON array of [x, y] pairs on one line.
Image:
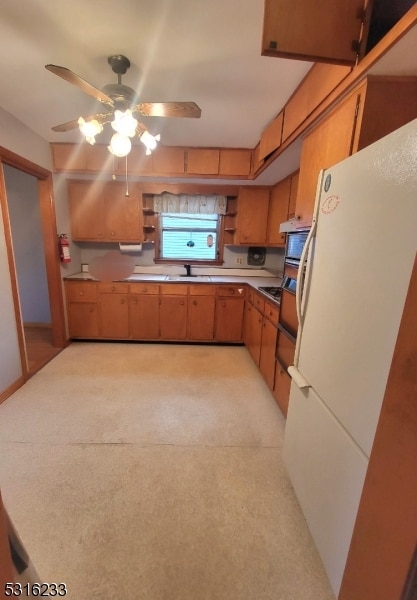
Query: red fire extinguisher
[[64, 251]]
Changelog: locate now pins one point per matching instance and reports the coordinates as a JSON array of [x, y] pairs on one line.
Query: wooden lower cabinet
[[171, 312], [254, 332], [114, 316], [230, 308], [201, 310], [83, 320], [173, 317], [144, 316], [282, 388], [82, 309], [267, 352]]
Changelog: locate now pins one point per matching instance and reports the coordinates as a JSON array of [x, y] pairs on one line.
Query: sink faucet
[[188, 269]]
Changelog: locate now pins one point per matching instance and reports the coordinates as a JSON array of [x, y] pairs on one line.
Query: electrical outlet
[[239, 261]]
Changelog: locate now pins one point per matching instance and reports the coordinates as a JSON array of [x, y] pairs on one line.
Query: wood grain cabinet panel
[[144, 316], [200, 318], [278, 212], [229, 319], [168, 160], [173, 317], [203, 161], [252, 215], [305, 30], [281, 389], [374, 109], [114, 315], [235, 162], [271, 137], [101, 211]]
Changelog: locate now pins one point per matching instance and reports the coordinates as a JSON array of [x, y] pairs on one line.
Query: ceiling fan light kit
[[122, 100]]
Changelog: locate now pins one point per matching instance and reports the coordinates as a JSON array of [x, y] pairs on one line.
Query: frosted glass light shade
[[124, 123], [120, 145], [90, 129]]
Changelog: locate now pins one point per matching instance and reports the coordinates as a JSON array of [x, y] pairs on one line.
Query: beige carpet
[[154, 472]]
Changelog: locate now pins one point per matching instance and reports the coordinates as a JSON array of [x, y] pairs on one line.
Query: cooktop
[[273, 292]]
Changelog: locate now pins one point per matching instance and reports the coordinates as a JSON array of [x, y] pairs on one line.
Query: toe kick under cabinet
[[155, 312]]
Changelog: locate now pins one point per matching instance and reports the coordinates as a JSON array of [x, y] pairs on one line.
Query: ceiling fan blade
[[101, 118], [80, 83], [188, 110]]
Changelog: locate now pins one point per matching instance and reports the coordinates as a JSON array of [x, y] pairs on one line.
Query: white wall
[[28, 248]]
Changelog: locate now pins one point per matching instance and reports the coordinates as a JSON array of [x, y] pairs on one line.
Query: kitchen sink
[[187, 278]]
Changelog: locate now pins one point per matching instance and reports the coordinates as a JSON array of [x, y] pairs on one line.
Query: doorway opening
[[31, 238]]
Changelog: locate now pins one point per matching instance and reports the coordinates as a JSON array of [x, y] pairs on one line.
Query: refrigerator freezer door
[[327, 470], [364, 252]]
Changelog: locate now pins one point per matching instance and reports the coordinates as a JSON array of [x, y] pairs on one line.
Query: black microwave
[[295, 245]]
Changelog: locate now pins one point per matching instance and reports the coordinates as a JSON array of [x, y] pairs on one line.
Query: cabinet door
[[256, 335], [267, 354], [200, 318], [144, 317], [173, 317], [123, 214], [252, 216], [278, 211], [229, 319], [83, 320], [114, 316], [293, 195], [327, 144], [86, 211], [314, 31]]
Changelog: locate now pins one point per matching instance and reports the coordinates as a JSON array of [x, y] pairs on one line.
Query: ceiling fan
[[121, 107]]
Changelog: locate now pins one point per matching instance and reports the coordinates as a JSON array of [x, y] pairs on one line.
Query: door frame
[[51, 253]]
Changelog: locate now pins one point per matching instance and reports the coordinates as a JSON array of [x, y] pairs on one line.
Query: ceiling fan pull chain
[[114, 174], [127, 183]]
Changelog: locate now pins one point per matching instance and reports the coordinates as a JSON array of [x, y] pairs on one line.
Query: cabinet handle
[[92, 309], [81, 293], [113, 289], [112, 233], [145, 290], [224, 304], [135, 301], [182, 302], [195, 302], [232, 292]]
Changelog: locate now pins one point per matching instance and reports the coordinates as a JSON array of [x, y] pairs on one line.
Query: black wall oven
[[294, 247]]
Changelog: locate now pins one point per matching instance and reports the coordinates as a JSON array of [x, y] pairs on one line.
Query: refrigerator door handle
[[298, 378], [303, 274]]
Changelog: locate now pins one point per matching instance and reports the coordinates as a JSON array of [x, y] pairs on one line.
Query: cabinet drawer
[[174, 289], [259, 302], [231, 290], [78, 291], [113, 288], [271, 312], [144, 288], [202, 290]]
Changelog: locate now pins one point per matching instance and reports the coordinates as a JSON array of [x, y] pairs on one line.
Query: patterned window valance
[[195, 204]]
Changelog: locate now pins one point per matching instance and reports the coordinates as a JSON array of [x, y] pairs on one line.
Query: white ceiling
[[180, 50], [207, 51]]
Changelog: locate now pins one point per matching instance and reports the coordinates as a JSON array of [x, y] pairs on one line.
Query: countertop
[[256, 280]]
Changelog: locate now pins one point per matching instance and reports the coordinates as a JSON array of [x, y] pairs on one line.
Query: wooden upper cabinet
[[374, 109], [100, 211], [235, 162], [168, 160], [278, 211], [204, 161], [326, 31], [271, 137], [252, 215]]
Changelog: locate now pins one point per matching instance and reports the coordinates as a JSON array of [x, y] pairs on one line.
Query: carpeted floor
[[154, 472]]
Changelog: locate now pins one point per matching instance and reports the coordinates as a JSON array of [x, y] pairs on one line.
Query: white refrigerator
[[360, 255]]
